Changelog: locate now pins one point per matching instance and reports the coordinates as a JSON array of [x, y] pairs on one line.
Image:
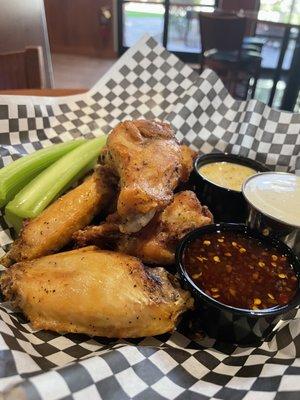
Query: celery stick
[[16, 175], [43, 189], [16, 221]]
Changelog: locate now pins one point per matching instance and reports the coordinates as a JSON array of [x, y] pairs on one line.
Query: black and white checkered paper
[[148, 82]]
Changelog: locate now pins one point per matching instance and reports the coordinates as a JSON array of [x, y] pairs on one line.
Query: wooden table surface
[[43, 92]]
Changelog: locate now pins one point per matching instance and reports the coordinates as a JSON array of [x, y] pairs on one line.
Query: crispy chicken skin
[[150, 163], [155, 243], [96, 292], [187, 158], [54, 227]]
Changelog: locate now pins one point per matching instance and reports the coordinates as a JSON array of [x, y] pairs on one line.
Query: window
[[287, 11], [183, 32], [140, 18], [174, 23], [151, 16]]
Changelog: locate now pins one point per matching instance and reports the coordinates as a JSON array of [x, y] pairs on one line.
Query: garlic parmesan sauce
[[226, 174]]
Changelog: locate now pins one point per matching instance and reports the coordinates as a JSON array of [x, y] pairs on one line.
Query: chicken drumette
[[150, 163]]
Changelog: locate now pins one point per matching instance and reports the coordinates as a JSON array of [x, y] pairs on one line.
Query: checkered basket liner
[[148, 82]]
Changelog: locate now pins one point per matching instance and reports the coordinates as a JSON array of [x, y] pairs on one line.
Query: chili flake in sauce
[[239, 271]]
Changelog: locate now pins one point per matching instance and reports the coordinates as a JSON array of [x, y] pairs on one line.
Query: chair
[[221, 42], [22, 70], [250, 40]]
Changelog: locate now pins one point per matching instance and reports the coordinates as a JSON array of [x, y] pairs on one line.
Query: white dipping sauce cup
[[273, 200]]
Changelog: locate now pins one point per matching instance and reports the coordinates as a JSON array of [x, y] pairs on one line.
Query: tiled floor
[[74, 71]]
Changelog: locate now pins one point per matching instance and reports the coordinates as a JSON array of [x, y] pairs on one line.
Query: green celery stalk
[[16, 175], [52, 182], [17, 221]]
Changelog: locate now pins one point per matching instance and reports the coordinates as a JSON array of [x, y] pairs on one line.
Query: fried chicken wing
[[156, 242], [54, 227], [96, 292], [150, 163]]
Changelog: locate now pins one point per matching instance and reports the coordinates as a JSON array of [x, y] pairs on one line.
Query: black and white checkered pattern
[[148, 82], [209, 119]]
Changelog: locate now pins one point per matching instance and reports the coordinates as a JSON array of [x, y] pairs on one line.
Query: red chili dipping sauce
[[239, 271]]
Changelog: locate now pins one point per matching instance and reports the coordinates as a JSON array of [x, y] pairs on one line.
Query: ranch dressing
[[276, 195]]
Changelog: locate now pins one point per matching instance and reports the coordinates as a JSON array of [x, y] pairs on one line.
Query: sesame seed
[[196, 276], [274, 264], [282, 276]]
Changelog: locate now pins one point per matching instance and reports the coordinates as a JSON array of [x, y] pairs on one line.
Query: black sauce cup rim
[[233, 227], [230, 157]]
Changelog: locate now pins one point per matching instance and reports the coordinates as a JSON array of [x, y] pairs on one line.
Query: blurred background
[[257, 56]]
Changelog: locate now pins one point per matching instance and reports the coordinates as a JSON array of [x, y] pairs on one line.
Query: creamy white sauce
[[275, 194]]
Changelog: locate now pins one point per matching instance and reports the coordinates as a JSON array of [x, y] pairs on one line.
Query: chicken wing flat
[[150, 163], [96, 292], [155, 243], [54, 227]]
